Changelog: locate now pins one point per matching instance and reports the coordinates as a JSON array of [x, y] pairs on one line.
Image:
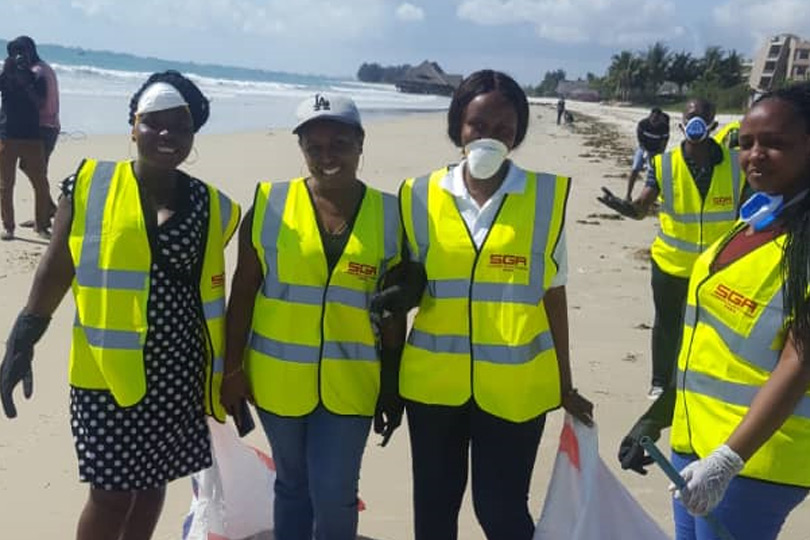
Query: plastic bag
[[584, 500], [233, 499]]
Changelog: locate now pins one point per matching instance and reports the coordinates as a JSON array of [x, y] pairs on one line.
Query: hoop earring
[[195, 157], [362, 162]]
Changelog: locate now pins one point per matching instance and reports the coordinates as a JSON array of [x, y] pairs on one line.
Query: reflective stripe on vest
[[329, 357], [668, 192], [754, 349], [734, 333], [489, 292], [481, 331], [306, 294], [729, 392], [112, 357]]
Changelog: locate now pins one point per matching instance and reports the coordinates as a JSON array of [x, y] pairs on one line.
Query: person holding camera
[[21, 94]]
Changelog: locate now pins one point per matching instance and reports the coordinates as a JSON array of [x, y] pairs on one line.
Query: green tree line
[[638, 77]]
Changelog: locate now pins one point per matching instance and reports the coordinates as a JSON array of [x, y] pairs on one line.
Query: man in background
[[652, 133], [560, 109], [49, 125], [21, 95]]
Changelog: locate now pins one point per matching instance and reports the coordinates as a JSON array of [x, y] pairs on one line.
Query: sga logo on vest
[[507, 262], [734, 301]]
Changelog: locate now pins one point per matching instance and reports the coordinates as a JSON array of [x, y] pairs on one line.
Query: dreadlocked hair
[[796, 254], [198, 104]]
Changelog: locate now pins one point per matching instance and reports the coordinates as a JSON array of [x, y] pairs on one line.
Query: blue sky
[[333, 37]]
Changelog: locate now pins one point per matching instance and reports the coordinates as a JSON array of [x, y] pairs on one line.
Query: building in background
[[783, 58]]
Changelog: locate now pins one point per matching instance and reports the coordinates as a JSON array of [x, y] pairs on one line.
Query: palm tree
[[711, 65], [625, 73], [731, 70], [657, 63], [683, 70]]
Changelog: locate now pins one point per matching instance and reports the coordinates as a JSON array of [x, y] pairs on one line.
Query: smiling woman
[[311, 253], [142, 244]]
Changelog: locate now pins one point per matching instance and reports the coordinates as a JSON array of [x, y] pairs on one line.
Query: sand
[[609, 298]]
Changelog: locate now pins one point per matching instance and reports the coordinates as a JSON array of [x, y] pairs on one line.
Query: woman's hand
[[578, 406], [235, 388]]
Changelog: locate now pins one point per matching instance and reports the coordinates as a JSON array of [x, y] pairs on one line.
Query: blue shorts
[[751, 509], [640, 158]]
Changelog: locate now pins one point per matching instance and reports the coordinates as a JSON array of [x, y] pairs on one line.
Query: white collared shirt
[[479, 218]]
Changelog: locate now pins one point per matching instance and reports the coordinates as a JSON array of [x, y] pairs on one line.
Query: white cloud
[[624, 23], [409, 12], [302, 19], [760, 19]]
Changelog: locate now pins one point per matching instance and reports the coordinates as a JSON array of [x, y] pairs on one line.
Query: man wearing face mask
[[700, 188]]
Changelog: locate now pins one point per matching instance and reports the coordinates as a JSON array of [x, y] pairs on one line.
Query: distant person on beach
[[23, 91], [487, 356], [560, 109], [49, 125], [301, 343], [740, 412], [652, 133], [700, 187], [142, 245]]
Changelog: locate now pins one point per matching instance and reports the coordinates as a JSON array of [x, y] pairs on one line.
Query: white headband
[[160, 96]]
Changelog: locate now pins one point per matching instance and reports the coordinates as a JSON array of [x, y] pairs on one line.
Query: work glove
[[655, 419], [631, 454], [707, 480], [402, 291], [16, 365], [390, 406], [622, 206]]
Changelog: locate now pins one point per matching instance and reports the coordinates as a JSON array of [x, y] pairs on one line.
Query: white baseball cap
[[325, 106]]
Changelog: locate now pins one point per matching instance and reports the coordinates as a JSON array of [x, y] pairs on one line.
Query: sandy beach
[[610, 311]]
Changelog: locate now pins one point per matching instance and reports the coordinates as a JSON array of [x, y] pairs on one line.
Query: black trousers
[[502, 454], [669, 297]]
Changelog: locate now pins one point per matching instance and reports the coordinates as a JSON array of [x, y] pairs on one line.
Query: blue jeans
[[751, 509], [317, 460]]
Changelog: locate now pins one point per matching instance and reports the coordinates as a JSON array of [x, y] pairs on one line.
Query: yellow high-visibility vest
[[112, 257], [481, 330], [312, 341], [690, 223], [734, 332]]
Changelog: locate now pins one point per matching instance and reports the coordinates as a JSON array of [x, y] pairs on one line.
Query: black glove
[[16, 365], [657, 417], [622, 206], [631, 453], [402, 290], [390, 406]]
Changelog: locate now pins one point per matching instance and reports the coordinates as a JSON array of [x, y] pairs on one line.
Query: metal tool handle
[[649, 445]]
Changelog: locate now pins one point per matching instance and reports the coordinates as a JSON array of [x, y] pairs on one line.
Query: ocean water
[[96, 86]]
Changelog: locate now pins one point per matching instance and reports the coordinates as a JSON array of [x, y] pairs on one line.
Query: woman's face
[[164, 138], [489, 116], [775, 148], [332, 150]]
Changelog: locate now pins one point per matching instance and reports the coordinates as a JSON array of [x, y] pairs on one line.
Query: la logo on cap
[[321, 103]]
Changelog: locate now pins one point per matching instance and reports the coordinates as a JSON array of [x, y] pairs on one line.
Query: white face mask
[[485, 157]]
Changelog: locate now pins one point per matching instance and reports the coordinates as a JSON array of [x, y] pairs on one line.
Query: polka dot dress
[[164, 436]]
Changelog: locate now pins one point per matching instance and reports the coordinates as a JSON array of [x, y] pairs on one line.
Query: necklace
[[339, 230]]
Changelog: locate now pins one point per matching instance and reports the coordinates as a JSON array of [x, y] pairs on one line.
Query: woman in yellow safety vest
[[301, 343], [487, 356], [741, 421], [142, 244]]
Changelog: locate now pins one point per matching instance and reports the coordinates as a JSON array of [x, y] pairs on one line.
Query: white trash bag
[[233, 499], [584, 500]]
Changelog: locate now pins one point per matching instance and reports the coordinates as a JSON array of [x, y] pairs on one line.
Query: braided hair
[[796, 256], [198, 104]]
